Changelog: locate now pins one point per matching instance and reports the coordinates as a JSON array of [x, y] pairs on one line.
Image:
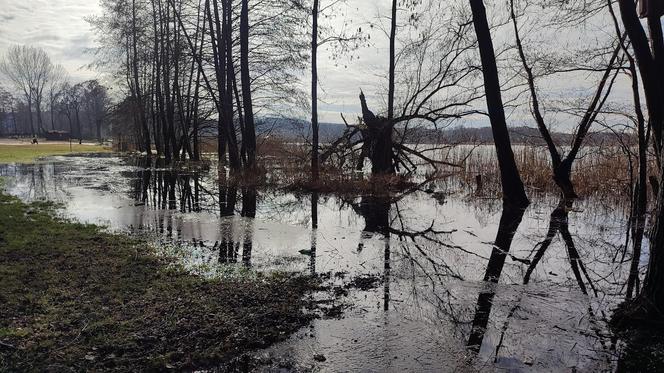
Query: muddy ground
[[75, 297]]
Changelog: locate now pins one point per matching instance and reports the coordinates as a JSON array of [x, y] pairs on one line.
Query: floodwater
[[418, 281]]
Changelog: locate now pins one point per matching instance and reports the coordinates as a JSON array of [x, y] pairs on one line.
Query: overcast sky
[[59, 26]]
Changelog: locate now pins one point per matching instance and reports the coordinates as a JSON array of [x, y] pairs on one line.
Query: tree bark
[[314, 93], [648, 307], [233, 151], [651, 74], [378, 141], [137, 89], [393, 36], [513, 189], [249, 136]]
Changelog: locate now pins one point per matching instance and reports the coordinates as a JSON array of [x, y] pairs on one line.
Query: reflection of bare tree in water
[[166, 189], [314, 232], [560, 224], [509, 223], [376, 213], [228, 248], [383, 216], [249, 200], [36, 182]]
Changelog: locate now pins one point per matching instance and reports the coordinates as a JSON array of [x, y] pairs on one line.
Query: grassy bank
[[76, 298], [25, 153]]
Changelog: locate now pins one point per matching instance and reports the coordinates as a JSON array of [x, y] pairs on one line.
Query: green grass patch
[[74, 297], [29, 153]]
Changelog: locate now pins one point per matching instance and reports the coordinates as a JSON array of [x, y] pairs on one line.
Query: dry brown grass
[[599, 171]]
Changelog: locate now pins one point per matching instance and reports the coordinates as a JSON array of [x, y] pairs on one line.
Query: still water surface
[[409, 268]]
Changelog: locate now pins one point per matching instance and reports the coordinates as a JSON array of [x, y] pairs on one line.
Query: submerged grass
[[26, 153], [74, 297]]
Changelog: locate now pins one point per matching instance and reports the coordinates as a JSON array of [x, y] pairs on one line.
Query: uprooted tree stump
[[374, 136], [378, 145]]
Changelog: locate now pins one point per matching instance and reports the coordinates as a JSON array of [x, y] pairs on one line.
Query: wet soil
[[76, 298]]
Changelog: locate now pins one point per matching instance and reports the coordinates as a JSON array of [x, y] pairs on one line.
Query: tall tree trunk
[[172, 86], [40, 123], [78, 125], [240, 119], [651, 74], [195, 134], [640, 196], [648, 307], [249, 135], [233, 151], [314, 93], [32, 126], [137, 83], [52, 113], [158, 117], [393, 36], [513, 189]]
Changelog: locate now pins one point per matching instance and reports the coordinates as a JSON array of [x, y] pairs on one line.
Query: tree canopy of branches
[[184, 63], [29, 69], [431, 83]]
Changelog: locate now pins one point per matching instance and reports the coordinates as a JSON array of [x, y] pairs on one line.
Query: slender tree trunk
[[157, 104], [651, 74], [648, 307], [513, 189], [52, 113], [40, 123], [640, 200], [393, 36], [238, 104], [195, 132], [137, 83], [218, 47], [233, 152], [78, 125], [32, 126], [315, 171], [249, 136]]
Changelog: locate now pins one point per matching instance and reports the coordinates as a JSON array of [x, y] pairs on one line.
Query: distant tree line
[[42, 99]]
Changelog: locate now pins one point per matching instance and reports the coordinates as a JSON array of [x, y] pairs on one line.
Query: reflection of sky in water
[[438, 252]]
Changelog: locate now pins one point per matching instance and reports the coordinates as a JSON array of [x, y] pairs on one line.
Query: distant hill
[[295, 129]]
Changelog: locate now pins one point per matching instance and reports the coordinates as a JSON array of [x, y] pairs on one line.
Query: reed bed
[[603, 171]]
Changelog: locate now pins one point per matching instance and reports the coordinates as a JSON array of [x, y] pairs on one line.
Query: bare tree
[[71, 107], [249, 132], [649, 57], [6, 112], [95, 101], [320, 36], [436, 83], [29, 69], [513, 190], [54, 88], [562, 163]]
